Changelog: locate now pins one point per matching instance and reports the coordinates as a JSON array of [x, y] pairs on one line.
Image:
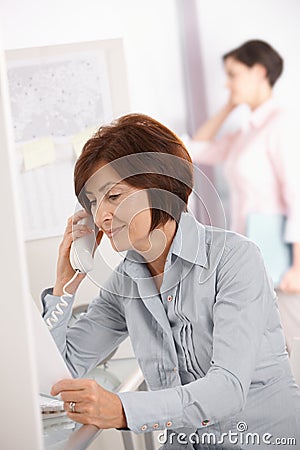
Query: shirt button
[[205, 422], [169, 424], [144, 427], [155, 425], [170, 298], [175, 369]]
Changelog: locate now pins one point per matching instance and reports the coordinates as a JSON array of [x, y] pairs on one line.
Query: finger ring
[[72, 407]]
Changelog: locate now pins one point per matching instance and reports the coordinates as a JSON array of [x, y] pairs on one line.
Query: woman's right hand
[[64, 270], [230, 104]]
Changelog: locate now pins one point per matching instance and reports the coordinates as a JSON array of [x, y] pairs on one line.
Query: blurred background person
[[261, 160]]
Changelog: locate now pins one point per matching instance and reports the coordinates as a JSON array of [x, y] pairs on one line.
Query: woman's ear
[[158, 235], [260, 71]]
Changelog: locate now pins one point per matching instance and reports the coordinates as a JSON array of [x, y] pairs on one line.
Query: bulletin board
[[59, 96]]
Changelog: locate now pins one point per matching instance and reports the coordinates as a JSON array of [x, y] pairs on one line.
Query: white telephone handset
[[81, 259], [81, 253]]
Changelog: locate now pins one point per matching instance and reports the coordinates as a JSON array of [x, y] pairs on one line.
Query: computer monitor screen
[[20, 419]]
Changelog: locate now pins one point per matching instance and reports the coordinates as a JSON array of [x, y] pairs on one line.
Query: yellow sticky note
[[38, 153], [79, 139]]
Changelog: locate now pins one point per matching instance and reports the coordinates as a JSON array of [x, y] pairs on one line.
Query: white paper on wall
[[58, 99], [47, 195], [38, 153]]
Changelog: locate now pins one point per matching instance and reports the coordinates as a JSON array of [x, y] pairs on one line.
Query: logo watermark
[[239, 437]]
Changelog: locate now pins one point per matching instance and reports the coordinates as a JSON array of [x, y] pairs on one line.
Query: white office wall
[[226, 24], [149, 30]]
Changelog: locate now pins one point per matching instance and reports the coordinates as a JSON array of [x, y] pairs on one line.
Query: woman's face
[[120, 210], [243, 82]]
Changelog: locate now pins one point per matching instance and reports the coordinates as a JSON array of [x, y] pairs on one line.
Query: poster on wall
[[59, 96]]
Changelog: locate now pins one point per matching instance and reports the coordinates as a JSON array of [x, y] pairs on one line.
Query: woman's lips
[[114, 232]]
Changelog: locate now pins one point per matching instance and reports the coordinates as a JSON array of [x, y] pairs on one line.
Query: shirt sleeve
[[93, 336], [285, 158], [209, 152], [244, 295]]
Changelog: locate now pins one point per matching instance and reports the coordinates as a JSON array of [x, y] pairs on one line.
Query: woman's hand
[[290, 283], [231, 104], [92, 404], [64, 270], [210, 127]]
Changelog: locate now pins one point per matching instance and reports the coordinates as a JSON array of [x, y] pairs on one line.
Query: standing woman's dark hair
[[259, 52]]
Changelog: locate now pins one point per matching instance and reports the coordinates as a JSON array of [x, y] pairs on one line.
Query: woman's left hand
[[290, 282], [92, 404]]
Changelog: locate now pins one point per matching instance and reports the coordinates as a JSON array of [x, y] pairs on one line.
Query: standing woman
[[196, 302], [261, 161]]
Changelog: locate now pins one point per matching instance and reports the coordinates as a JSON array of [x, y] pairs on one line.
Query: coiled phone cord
[[58, 311]]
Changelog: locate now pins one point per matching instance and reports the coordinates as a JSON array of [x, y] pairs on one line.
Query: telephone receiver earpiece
[[81, 253]]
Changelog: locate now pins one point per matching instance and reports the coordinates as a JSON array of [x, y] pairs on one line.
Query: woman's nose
[[103, 214]]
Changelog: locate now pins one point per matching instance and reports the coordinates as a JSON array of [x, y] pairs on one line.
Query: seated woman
[[196, 302]]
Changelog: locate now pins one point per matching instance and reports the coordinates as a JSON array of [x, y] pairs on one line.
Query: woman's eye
[[113, 196]]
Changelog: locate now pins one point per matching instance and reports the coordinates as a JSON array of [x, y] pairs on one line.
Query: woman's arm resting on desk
[[94, 405]]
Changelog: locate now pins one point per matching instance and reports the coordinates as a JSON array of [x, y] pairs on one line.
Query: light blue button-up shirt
[[210, 343]]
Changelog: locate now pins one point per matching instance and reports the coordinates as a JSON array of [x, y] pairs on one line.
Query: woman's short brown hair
[[259, 52], [158, 162]]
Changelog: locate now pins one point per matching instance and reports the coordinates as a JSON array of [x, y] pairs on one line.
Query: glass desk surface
[[61, 433]]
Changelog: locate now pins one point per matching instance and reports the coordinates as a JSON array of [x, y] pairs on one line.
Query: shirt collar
[[188, 244], [261, 114], [189, 241]]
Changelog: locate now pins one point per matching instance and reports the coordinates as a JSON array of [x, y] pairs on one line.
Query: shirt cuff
[[151, 411], [50, 303], [47, 291]]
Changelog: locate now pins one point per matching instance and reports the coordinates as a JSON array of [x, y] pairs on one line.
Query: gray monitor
[[20, 420]]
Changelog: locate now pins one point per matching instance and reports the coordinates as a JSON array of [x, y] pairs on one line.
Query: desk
[[117, 375]]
